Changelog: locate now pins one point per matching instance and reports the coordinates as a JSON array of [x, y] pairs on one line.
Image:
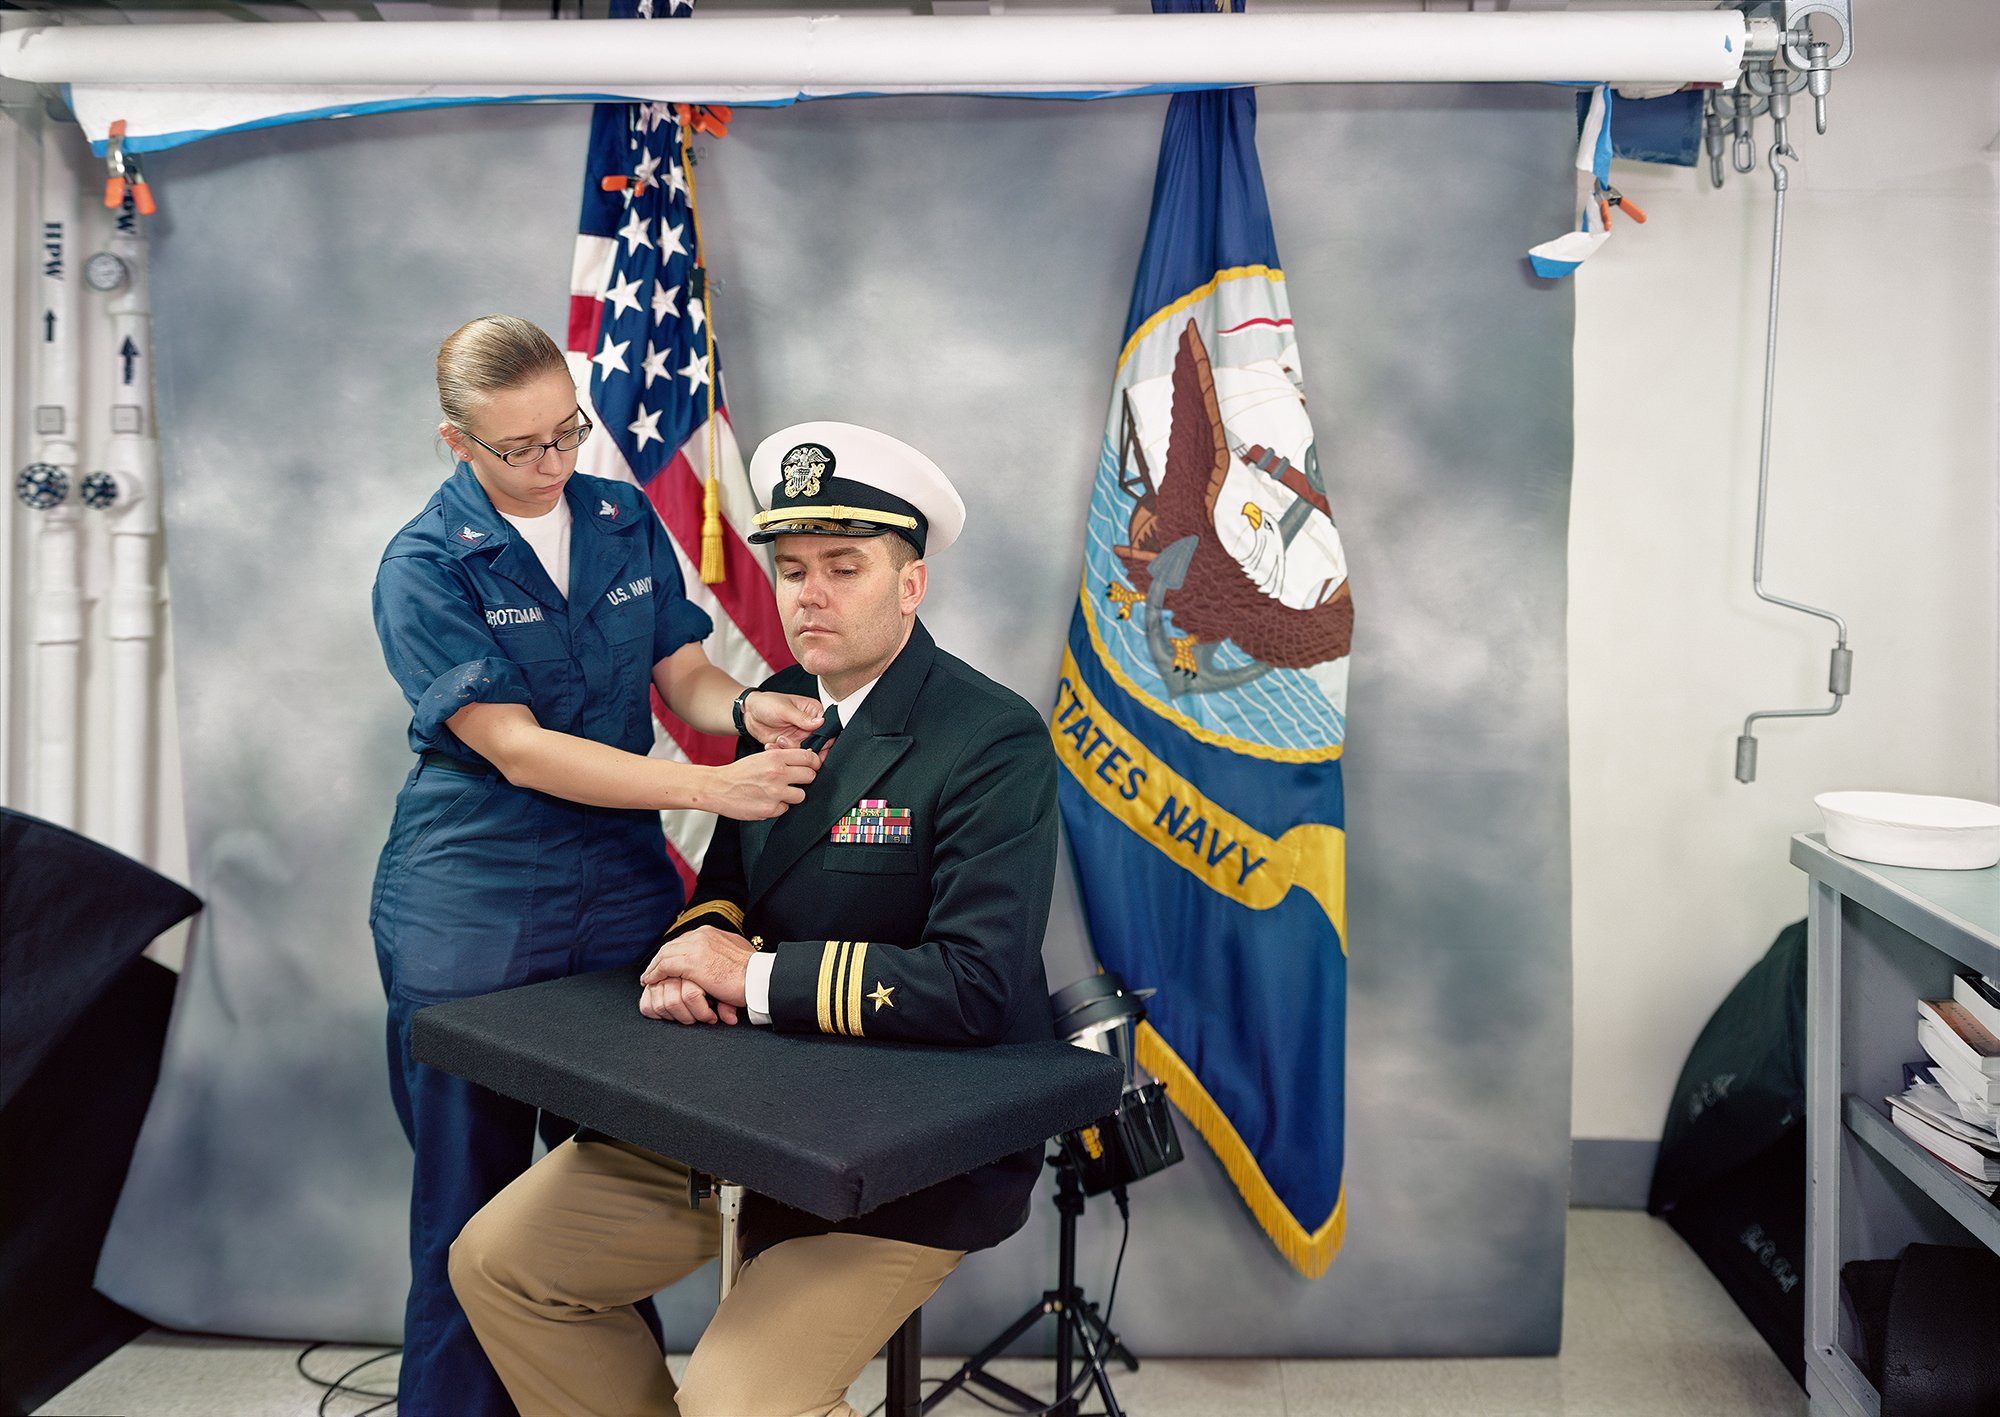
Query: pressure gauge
[[98, 491], [104, 272], [41, 486]]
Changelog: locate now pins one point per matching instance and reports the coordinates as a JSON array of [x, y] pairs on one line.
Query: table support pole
[[906, 1362], [728, 1208]]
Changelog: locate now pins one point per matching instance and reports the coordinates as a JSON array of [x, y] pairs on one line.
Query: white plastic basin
[[1905, 829]]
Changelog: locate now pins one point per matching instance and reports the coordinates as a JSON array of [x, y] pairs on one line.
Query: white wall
[[1882, 508]]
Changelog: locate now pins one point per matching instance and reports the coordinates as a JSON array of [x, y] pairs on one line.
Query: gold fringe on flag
[[712, 572], [1310, 1251]]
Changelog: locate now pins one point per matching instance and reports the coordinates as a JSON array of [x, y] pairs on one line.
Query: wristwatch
[[736, 713]]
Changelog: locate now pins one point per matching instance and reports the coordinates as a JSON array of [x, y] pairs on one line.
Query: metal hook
[[1819, 79], [1781, 118], [1781, 177], [1711, 132], [1744, 154]]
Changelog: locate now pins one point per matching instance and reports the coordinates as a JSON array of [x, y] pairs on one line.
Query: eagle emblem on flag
[[1229, 542]]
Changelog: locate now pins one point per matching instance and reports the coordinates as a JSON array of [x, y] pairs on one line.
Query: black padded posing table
[[833, 1126]]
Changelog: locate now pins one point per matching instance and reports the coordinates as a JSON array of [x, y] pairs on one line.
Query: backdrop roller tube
[[830, 54]]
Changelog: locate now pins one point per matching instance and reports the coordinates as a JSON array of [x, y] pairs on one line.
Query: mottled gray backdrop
[[957, 272]]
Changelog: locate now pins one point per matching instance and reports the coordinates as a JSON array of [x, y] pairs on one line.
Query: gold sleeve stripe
[[838, 1000], [728, 910], [826, 977], [837, 987], [855, 957]]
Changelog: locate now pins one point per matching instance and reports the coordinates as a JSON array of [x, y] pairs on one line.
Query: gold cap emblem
[[803, 467]]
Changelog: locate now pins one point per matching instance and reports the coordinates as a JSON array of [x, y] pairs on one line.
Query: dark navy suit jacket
[[933, 939]]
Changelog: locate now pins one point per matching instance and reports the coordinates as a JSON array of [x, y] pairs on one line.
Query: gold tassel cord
[[1309, 1251], [712, 571]]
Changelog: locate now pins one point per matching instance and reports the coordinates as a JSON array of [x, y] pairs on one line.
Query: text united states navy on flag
[[1202, 704], [640, 349]]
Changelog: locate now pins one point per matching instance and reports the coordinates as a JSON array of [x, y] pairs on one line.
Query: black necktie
[[826, 732]]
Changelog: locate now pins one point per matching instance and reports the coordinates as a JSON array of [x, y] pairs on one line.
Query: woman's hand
[[780, 720], [761, 785]]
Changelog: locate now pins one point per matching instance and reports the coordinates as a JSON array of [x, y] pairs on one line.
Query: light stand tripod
[[1078, 1325]]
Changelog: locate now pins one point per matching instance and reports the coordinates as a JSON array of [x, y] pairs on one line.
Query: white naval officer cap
[[839, 479]]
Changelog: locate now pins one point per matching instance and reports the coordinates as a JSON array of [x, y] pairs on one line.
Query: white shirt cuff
[[757, 986]]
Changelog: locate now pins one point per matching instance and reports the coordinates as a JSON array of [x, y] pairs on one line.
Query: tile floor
[[1647, 1332]]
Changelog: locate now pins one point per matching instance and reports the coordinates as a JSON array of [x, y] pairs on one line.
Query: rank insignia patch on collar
[[466, 533], [873, 823], [607, 508]]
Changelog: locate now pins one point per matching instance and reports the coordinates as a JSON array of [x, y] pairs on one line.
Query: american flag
[[641, 353]]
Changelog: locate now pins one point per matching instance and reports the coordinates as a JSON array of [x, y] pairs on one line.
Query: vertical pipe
[[1824, 985], [905, 1394], [1069, 1204], [55, 672], [729, 1210], [132, 460]]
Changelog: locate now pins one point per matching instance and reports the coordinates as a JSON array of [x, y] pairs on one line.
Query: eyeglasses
[[532, 452]]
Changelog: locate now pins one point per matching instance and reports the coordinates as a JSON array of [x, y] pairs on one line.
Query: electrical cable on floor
[[340, 1384], [1089, 1371]]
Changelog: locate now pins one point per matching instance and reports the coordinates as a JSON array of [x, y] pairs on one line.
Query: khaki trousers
[[549, 1271]]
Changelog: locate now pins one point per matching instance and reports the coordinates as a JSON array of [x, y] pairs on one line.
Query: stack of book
[[1951, 1107]]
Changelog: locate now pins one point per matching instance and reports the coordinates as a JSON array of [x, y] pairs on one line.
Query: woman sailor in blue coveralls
[[525, 612]]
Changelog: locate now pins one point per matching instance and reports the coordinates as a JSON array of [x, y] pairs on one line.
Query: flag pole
[[712, 572]]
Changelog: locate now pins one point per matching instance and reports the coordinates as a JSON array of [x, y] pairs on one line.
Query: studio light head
[[1101, 1014]]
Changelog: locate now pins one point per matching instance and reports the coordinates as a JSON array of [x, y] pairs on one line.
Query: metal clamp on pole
[[729, 1208], [1782, 56]]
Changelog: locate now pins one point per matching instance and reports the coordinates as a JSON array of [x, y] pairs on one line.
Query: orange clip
[[1608, 193], [1604, 213], [125, 175], [619, 184], [710, 118], [114, 158]]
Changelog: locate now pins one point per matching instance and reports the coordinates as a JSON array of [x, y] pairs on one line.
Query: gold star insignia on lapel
[[881, 996]]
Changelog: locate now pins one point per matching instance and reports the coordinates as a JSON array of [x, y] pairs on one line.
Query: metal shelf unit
[[1878, 939]]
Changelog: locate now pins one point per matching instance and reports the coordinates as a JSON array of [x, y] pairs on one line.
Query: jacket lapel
[[861, 757], [476, 528], [598, 546]]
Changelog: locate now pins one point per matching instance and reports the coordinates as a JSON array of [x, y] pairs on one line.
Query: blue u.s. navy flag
[[1202, 702]]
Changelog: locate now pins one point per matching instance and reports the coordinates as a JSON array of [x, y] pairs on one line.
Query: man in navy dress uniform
[[904, 899]]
